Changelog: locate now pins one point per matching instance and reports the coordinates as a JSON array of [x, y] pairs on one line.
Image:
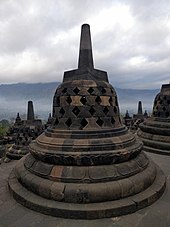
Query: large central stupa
[[86, 164]]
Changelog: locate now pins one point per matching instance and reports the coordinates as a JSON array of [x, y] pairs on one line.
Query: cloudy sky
[[39, 40]]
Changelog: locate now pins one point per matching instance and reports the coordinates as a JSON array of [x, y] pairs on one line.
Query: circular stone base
[[155, 135], [92, 210], [156, 151]]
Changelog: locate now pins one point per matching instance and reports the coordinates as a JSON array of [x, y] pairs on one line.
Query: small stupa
[[18, 120], [86, 165], [155, 132], [49, 121], [139, 115], [23, 132], [127, 119]]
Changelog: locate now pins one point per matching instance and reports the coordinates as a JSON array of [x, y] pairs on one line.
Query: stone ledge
[[14, 156], [92, 174], [92, 210], [156, 151]]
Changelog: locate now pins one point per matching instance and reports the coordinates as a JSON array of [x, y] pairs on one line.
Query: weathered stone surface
[[155, 132], [86, 165], [90, 210]]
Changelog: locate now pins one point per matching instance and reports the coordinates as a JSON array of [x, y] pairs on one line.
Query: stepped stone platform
[[155, 131], [12, 214], [86, 165]]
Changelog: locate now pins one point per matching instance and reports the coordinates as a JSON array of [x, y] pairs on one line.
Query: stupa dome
[[155, 131]]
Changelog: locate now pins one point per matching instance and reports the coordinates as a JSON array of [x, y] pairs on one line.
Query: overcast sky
[[39, 40]]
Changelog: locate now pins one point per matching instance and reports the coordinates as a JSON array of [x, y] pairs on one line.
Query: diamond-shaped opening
[[69, 100], [105, 110], [164, 108], [76, 90], [64, 90], [168, 101], [83, 100], [111, 101], [84, 122], [100, 122], [56, 122], [62, 111], [90, 90], [155, 102], [112, 120], [92, 111], [103, 90], [98, 100], [167, 114], [161, 102], [115, 109], [54, 112], [58, 100], [76, 110], [68, 122]]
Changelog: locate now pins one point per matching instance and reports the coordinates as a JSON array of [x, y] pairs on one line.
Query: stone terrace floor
[[14, 214]]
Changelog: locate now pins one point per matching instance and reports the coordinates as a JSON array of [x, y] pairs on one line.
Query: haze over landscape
[[14, 98]]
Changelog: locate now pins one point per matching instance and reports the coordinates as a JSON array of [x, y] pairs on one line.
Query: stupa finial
[[85, 52], [30, 112], [86, 70], [140, 112]]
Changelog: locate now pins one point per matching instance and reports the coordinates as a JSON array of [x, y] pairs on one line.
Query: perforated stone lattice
[[76, 110], [83, 107], [161, 106], [92, 110], [76, 90]]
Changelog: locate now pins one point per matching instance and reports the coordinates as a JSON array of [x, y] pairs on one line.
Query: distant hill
[[14, 98], [128, 99], [26, 91]]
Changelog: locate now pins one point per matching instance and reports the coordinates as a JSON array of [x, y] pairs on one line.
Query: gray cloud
[[131, 40]]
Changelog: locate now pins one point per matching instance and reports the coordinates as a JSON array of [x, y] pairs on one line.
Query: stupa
[[49, 121], [155, 132], [127, 119], [86, 165], [138, 118], [139, 115], [23, 132], [14, 129]]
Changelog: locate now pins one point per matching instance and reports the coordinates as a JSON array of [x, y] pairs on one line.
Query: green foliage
[[2, 131], [4, 125]]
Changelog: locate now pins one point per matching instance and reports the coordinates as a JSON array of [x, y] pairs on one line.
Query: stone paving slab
[[13, 214]]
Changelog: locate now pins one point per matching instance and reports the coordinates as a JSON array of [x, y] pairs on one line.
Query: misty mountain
[[129, 98], [14, 98]]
